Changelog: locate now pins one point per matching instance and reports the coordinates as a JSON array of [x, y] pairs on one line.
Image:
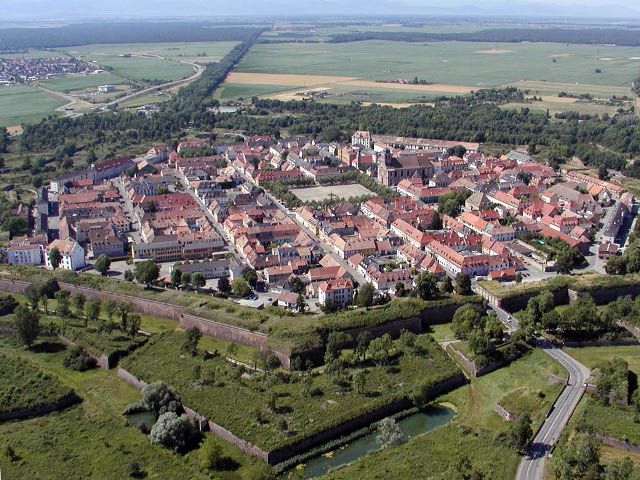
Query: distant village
[[15, 70], [214, 215]]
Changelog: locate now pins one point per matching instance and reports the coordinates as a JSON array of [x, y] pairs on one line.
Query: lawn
[[22, 385], [143, 68], [80, 82], [240, 404], [56, 445], [473, 432], [22, 104], [590, 356]]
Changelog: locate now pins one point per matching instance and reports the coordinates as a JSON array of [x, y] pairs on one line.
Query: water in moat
[[411, 426]]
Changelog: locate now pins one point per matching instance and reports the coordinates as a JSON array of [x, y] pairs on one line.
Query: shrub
[[7, 304], [79, 360], [211, 454], [159, 398], [173, 432]]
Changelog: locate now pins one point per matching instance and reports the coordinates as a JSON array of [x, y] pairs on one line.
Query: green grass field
[[590, 356], [234, 91], [32, 54], [456, 63], [189, 51], [80, 82], [143, 68], [93, 439], [21, 104], [472, 433]]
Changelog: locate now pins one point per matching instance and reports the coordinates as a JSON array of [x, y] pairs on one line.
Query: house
[[208, 269], [362, 138], [25, 255], [477, 201], [606, 250], [504, 275], [288, 299], [338, 291], [278, 274], [70, 250], [392, 169]]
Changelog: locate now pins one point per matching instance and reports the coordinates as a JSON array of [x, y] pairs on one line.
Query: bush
[[173, 432], [7, 304], [79, 360], [159, 398], [211, 454]]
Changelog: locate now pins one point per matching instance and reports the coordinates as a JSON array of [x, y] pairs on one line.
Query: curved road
[[532, 465]]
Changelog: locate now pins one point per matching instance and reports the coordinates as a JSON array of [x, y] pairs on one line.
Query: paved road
[[509, 321], [198, 71], [532, 465]]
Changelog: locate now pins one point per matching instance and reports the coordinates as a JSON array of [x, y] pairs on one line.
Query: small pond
[[411, 426], [142, 418]]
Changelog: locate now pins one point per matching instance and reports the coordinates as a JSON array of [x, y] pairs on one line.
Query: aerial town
[[507, 219], [17, 70]]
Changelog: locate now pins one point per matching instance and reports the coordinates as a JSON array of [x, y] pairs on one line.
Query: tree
[[185, 279], [176, 276], [518, 277], [426, 285], [379, 349], [364, 297], [436, 222], [78, 300], [564, 263], [124, 309], [110, 308], [26, 325], [62, 303], [49, 288], [223, 285], [102, 265], [389, 433], [447, 285], [134, 322], [466, 320], [211, 454], [173, 432], [363, 341], [192, 337], [301, 305], [93, 307], [128, 276], [336, 342], [360, 380], [147, 272], [8, 304], [160, 398], [619, 470], [240, 287], [32, 292], [16, 226], [579, 458], [198, 280], [520, 433], [55, 257], [463, 284], [250, 275], [329, 306]]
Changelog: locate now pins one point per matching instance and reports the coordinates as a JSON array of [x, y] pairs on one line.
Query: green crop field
[[32, 54], [455, 63], [208, 51], [21, 104], [80, 82], [142, 68], [349, 71]]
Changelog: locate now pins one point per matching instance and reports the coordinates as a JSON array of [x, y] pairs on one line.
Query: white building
[[70, 250], [106, 88], [25, 255], [339, 291]]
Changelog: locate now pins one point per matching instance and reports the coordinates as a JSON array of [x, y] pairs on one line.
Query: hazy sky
[[170, 9]]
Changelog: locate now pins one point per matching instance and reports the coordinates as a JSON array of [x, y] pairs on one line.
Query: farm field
[[80, 82], [190, 51], [322, 193], [346, 70], [22, 104], [142, 68]]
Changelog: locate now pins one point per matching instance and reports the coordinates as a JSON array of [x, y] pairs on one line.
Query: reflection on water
[[411, 426]]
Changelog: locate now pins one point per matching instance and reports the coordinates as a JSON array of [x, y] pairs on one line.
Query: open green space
[[80, 82], [197, 52], [57, 445], [235, 91], [22, 386], [457, 63], [32, 54], [591, 356], [142, 68], [272, 411], [474, 432], [22, 104]]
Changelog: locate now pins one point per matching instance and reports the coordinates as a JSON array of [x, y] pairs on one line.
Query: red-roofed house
[[338, 291]]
